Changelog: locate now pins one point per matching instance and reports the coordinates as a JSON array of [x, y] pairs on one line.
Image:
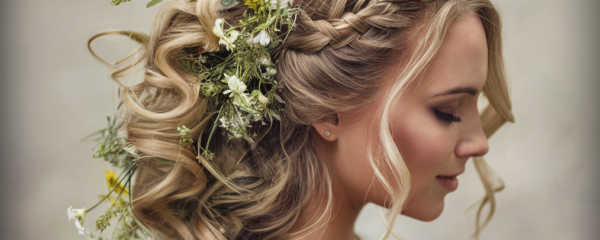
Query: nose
[[473, 142]]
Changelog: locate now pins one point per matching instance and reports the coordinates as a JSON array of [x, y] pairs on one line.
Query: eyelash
[[446, 117]]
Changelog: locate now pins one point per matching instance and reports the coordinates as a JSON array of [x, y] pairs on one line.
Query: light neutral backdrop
[[53, 93]]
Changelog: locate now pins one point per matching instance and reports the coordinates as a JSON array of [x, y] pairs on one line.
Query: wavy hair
[[332, 62]]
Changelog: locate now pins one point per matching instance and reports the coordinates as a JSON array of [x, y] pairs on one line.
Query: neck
[[343, 208], [339, 226]]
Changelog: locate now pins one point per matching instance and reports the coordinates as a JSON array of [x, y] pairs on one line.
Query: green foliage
[[244, 68], [184, 136], [120, 153], [104, 221], [153, 2], [117, 2], [119, 210], [150, 4], [127, 227], [111, 147]]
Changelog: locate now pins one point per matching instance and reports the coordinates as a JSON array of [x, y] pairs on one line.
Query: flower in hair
[[79, 216], [282, 4], [224, 40], [262, 99], [112, 182], [262, 38], [184, 135], [236, 91], [235, 85], [253, 4], [265, 61], [226, 77]]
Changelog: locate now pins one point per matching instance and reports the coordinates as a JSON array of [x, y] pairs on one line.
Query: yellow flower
[[252, 4], [112, 181]]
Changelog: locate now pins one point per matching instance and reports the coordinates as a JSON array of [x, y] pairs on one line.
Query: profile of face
[[436, 127]]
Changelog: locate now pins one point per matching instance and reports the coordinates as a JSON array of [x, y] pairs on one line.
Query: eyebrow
[[469, 90]]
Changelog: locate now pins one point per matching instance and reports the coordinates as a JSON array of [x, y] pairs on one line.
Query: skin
[[429, 146]]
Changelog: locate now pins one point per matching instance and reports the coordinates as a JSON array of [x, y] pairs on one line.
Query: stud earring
[[327, 133]]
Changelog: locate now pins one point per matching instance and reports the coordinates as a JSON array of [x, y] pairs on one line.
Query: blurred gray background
[[53, 93]]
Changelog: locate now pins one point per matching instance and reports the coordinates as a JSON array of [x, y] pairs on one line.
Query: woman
[[379, 103]]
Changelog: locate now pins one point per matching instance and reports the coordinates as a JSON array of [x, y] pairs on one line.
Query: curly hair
[[332, 62]]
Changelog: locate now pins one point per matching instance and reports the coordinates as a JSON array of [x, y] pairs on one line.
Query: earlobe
[[328, 129]]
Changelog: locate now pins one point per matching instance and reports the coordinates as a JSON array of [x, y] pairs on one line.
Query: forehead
[[461, 60]]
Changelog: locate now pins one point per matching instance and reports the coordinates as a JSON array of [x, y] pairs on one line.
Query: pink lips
[[449, 182]]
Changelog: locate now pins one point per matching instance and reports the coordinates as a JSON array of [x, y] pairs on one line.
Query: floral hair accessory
[[238, 82], [241, 87]]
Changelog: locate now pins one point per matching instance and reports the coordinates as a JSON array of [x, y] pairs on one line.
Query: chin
[[424, 213]]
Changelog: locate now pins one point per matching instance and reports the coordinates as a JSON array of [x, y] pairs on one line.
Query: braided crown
[[345, 27]]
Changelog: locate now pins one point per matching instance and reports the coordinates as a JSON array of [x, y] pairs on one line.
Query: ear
[[328, 129]]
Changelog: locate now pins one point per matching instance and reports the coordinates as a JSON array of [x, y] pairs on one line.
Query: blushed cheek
[[422, 145], [425, 145], [426, 149]]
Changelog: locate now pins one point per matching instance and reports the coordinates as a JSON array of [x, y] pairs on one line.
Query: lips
[[449, 181]]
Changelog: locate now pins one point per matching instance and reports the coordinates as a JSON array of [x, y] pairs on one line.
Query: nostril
[[479, 154], [483, 149], [472, 148]]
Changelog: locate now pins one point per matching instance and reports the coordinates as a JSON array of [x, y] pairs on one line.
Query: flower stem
[[213, 129], [111, 191]]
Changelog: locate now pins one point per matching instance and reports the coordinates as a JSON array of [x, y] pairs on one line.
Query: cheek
[[426, 146], [423, 142]]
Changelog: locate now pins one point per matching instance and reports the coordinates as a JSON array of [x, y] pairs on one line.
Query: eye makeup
[[446, 117]]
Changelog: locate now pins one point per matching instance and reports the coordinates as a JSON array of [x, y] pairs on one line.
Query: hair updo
[[332, 62]]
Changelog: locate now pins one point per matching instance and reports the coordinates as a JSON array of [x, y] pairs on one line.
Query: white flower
[[203, 59], [224, 40], [243, 101], [235, 85], [262, 38], [78, 215], [229, 41], [224, 122], [218, 28], [282, 4], [265, 61], [262, 99]]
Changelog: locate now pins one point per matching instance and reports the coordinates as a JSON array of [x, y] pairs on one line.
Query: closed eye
[[446, 117]]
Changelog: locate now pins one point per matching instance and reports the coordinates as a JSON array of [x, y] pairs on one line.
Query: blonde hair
[[332, 62]]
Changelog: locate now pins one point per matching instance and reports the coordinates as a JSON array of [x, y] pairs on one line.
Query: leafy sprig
[[150, 4], [117, 2], [121, 154], [111, 147], [184, 136]]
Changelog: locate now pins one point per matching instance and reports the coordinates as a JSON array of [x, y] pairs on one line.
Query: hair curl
[[332, 62]]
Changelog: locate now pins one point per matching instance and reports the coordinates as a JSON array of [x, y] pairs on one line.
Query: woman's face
[[439, 127], [435, 125]]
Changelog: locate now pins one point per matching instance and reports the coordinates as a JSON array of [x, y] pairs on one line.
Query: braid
[[342, 28]]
